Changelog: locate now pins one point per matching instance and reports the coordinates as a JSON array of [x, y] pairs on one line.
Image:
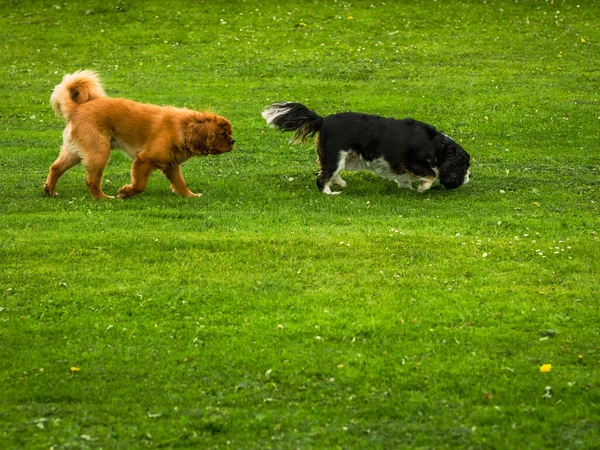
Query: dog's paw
[[191, 194], [327, 190], [49, 192], [188, 193], [125, 191]]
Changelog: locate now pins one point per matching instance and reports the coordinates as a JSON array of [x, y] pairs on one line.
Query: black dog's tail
[[288, 116]]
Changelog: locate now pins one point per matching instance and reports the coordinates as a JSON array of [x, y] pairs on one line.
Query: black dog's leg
[[332, 163], [425, 174]]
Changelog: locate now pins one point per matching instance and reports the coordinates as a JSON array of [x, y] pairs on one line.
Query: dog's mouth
[[218, 151], [230, 145]]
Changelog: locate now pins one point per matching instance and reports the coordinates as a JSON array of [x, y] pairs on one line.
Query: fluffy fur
[[154, 137], [401, 150]]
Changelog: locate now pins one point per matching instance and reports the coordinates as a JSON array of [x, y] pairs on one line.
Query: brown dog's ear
[[200, 135]]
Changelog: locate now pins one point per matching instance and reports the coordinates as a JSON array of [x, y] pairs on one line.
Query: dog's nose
[[232, 141]]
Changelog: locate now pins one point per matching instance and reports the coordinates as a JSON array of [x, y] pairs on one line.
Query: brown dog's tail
[[75, 89]]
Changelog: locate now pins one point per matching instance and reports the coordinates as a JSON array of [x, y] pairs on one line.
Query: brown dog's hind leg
[[178, 184], [140, 172], [66, 159], [94, 163]]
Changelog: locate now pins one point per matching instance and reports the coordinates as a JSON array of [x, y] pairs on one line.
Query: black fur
[[413, 150]]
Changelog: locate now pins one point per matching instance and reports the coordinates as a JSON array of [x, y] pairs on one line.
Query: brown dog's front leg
[[64, 162], [178, 184], [140, 172]]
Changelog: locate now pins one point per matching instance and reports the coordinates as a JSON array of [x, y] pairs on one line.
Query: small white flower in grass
[[548, 393], [485, 255], [318, 338], [268, 372], [280, 326]]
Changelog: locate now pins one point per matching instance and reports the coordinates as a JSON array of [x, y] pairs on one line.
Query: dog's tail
[[75, 89], [288, 116]]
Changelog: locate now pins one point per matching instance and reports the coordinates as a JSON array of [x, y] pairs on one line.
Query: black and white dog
[[401, 150]]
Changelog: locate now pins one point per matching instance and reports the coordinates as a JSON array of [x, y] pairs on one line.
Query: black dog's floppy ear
[[454, 166]]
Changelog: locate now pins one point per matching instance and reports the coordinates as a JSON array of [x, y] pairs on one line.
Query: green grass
[[268, 315]]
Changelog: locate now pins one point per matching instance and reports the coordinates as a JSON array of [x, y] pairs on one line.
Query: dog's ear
[[453, 167], [200, 135]]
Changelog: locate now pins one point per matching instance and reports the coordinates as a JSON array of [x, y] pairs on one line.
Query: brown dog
[[154, 137]]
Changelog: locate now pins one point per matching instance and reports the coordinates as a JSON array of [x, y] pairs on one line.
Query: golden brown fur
[[155, 137]]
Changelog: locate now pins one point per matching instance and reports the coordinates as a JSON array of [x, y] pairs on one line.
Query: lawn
[[266, 314]]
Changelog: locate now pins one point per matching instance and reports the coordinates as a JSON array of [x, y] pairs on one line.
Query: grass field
[[266, 314]]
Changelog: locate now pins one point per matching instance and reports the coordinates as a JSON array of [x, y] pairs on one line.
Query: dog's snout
[[232, 141]]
